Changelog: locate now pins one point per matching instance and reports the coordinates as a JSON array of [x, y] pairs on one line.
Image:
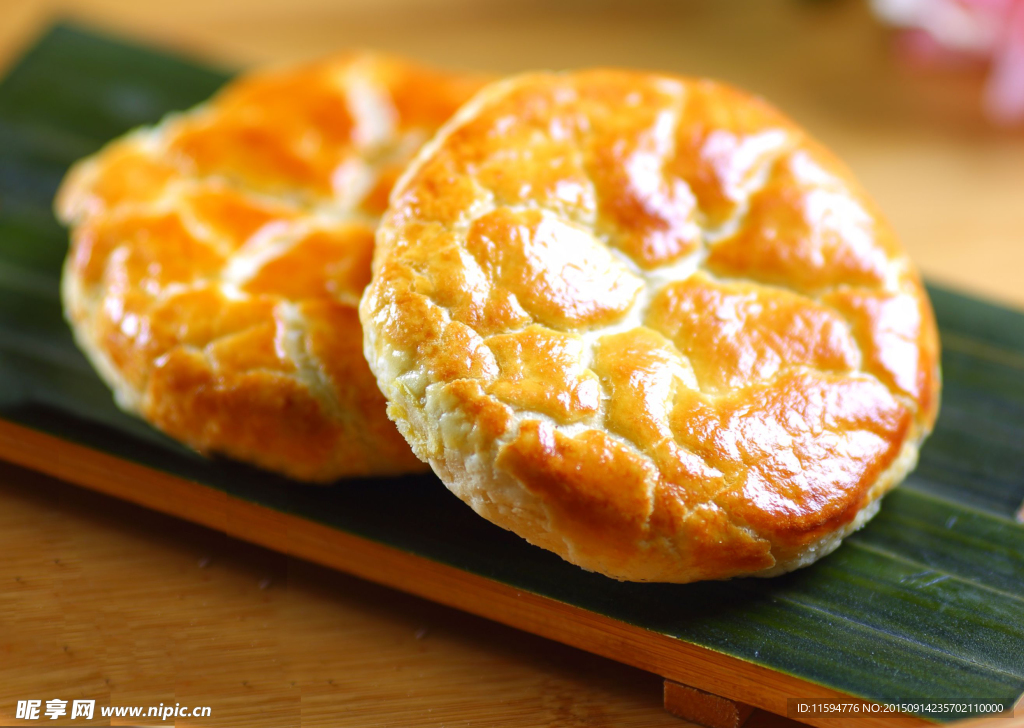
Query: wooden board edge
[[705, 709], [666, 656]]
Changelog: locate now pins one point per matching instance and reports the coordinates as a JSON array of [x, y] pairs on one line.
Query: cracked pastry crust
[[649, 324], [217, 260]]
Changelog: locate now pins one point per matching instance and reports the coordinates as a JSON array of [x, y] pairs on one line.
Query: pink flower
[[941, 33]]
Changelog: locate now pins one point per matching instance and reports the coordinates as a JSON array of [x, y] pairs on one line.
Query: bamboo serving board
[[924, 605]]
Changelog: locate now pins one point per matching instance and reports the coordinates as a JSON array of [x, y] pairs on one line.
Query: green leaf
[[925, 603]]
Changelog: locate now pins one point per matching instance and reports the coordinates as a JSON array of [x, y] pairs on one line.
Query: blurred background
[[923, 98]]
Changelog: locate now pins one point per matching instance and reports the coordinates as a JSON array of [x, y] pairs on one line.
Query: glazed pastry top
[[668, 314], [218, 258]]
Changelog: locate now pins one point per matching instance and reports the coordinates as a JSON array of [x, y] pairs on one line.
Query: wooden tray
[[924, 604]]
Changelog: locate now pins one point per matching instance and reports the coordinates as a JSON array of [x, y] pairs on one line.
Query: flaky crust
[[647, 323], [217, 260]]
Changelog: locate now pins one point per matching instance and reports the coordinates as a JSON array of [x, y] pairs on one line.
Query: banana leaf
[[925, 603]]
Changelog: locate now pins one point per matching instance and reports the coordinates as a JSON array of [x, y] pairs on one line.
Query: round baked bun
[[647, 323], [218, 258]]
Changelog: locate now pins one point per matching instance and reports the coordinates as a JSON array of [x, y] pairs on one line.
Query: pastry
[[217, 260], [648, 323]]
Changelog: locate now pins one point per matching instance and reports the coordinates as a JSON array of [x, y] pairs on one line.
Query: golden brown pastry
[[217, 260], [649, 324]]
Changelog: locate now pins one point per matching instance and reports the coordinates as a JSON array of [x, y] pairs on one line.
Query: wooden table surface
[[100, 599]]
